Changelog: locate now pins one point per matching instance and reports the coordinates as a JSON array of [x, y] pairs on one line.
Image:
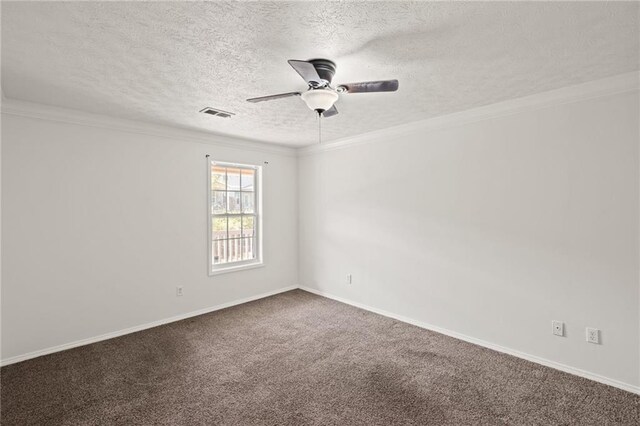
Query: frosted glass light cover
[[320, 99]]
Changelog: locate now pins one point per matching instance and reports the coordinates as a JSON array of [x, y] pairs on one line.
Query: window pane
[[235, 250], [219, 225], [248, 248], [219, 251], [218, 178], [248, 179], [248, 202], [218, 199], [233, 179], [235, 224], [248, 226], [233, 202], [234, 214]]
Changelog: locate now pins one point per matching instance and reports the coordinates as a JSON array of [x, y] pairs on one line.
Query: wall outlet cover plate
[[593, 335], [557, 328]]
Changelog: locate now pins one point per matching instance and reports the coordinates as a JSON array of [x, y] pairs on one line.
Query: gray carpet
[[299, 359]]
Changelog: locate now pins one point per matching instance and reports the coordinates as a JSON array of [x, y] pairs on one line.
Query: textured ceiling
[[163, 62]]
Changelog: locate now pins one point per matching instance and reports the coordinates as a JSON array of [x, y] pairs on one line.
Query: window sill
[[235, 268]]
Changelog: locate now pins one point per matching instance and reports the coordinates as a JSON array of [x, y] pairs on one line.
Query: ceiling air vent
[[217, 112]]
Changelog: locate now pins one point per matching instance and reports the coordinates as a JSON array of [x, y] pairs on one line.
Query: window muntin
[[234, 216]]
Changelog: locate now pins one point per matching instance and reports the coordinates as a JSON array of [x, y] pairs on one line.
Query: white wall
[[100, 226], [490, 229]]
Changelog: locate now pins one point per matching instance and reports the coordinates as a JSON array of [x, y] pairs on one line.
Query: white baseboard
[[567, 369], [562, 367], [88, 341]]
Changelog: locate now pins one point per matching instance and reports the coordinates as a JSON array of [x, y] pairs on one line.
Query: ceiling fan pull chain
[[319, 127]]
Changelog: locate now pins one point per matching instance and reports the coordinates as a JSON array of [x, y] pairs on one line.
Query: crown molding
[[71, 116], [594, 89]]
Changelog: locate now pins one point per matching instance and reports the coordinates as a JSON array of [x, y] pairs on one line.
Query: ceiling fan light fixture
[[320, 99]]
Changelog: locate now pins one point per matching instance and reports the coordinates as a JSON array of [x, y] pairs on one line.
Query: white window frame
[[242, 264]]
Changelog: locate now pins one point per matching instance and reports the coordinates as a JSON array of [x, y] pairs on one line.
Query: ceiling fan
[[320, 95]]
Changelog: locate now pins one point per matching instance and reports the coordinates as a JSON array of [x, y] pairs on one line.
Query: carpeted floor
[[299, 359]]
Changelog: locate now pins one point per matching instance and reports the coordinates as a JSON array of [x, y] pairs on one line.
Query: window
[[234, 241]]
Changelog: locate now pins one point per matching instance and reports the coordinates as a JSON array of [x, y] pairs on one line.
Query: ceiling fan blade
[[370, 86], [272, 97], [306, 70], [330, 112]]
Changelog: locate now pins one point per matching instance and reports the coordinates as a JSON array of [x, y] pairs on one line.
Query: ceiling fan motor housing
[[325, 68]]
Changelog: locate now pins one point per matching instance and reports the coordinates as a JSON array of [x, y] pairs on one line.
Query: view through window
[[234, 215]]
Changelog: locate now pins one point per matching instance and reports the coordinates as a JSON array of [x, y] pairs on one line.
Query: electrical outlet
[[558, 328], [348, 278], [593, 335], [179, 291]]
